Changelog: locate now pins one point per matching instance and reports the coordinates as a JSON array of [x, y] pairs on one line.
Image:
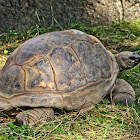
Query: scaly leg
[[32, 116], [123, 93]]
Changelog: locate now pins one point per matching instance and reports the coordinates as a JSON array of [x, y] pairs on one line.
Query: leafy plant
[[5, 51]]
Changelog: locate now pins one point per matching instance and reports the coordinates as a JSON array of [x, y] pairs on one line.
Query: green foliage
[[116, 37], [5, 51], [10, 41]]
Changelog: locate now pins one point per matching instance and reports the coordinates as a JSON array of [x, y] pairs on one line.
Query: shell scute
[[95, 60], [41, 45], [12, 81], [39, 75], [68, 69]]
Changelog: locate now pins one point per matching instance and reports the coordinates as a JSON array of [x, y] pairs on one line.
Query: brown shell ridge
[[89, 41], [113, 60], [52, 92], [24, 78], [70, 33], [95, 39], [53, 73], [34, 57], [83, 69], [28, 61], [59, 92], [18, 52], [91, 82], [73, 35]]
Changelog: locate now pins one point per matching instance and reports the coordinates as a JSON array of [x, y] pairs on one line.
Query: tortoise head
[[127, 60]]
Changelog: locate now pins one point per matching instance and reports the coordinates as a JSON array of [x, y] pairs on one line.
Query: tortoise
[[68, 70]]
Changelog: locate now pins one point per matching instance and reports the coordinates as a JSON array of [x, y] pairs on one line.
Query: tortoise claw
[[123, 98]]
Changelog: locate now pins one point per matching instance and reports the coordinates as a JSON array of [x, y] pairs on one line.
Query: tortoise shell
[[64, 69]]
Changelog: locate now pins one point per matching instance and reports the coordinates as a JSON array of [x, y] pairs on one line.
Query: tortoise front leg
[[32, 116], [123, 93]]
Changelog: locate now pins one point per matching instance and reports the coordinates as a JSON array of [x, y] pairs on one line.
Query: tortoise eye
[[132, 58]]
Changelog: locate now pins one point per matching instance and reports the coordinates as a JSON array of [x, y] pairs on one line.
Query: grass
[[106, 120]]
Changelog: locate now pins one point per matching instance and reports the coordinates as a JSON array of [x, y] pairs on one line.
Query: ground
[[106, 120]]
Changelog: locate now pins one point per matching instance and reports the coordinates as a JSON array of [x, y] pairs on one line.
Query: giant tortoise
[[68, 70]]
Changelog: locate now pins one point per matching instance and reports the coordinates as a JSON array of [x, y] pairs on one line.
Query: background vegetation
[[106, 120]]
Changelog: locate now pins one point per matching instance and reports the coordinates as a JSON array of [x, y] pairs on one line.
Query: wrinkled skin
[[123, 93], [127, 60]]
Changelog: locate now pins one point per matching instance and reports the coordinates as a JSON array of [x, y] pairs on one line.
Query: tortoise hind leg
[[123, 93], [32, 116]]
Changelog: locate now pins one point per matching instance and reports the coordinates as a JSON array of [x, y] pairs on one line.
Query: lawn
[[106, 121]]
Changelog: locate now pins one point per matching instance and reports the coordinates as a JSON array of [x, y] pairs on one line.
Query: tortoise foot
[[123, 98], [33, 116], [123, 93]]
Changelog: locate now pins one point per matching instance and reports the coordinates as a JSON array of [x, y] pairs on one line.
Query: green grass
[[116, 37], [106, 120]]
